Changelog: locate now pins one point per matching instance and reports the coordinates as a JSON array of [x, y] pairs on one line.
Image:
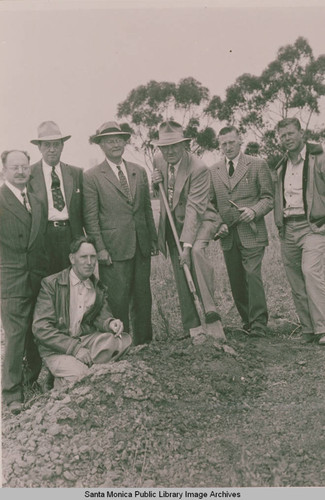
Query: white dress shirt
[[115, 169], [293, 192], [53, 213], [82, 297]]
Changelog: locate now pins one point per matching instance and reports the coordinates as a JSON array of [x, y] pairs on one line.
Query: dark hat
[[107, 129]]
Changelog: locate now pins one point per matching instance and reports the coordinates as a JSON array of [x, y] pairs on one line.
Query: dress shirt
[[115, 169], [82, 297], [53, 213], [17, 192], [234, 161], [294, 204]]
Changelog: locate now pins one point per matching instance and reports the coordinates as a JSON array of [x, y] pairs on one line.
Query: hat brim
[[169, 142], [97, 138], [50, 138]]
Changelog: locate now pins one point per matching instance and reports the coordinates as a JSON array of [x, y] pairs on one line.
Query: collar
[[46, 165], [17, 192], [114, 165], [74, 280], [234, 160]]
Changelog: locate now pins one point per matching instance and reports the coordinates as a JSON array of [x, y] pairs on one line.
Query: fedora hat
[[107, 129], [49, 131], [107, 347], [170, 132]]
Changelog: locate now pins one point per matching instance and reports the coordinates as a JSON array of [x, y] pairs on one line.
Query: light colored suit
[[23, 264], [190, 202], [250, 186], [126, 230]]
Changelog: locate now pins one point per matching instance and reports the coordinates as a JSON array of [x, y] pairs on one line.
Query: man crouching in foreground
[[73, 324]]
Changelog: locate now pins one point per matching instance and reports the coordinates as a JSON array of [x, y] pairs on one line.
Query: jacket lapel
[[221, 170], [111, 177], [241, 169], [182, 175], [67, 182], [36, 183], [14, 206], [36, 217], [132, 178]]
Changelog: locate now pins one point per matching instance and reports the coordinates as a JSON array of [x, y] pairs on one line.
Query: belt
[[58, 223], [295, 218]]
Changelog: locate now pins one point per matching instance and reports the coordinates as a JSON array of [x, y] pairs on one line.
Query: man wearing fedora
[[186, 181], [59, 187], [118, 215], [73, 324]]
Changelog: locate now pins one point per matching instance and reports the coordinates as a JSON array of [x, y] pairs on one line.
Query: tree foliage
[[148, 105], [291, 85]]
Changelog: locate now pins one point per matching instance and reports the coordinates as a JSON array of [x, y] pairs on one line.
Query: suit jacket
[[72, 184], [52, 315], [250, 186], [313, 190], [190, 200], [114, 222], [22, 255]]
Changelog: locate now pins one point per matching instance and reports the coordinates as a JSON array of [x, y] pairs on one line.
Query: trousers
[[303, 254]]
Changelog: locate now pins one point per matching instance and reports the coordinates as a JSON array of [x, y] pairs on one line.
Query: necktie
[[231, 168], [26, 202], [171, 184], [58, 201], [124, 183]]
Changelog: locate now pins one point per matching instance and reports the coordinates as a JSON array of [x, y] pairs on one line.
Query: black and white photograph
[[162, 248]]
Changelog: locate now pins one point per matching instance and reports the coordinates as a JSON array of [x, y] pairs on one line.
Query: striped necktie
[[171, 184], [124, 183]]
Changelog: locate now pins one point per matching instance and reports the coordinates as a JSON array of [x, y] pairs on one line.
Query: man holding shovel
[[184, 183]]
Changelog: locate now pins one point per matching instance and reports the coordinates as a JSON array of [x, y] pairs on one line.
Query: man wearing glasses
[[23, 263], [118, 216], [59, 187]]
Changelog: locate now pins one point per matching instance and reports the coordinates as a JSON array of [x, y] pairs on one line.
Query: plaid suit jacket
[[250, 186]]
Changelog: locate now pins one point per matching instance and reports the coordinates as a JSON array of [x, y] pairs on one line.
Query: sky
[[73, 62]]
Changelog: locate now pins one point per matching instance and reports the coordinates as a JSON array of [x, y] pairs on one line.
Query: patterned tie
[[58, 201], [171, 184], [26, 202], [231, 168], [124, 183]]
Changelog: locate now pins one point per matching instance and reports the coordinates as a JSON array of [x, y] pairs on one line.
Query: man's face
[[230, 144], [51, 151], [17, 169], [84, 261], [113, 147], [173, 153], [291, 138]]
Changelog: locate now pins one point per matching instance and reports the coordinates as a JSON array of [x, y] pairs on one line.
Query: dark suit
[[23, 265], [58, 239], [190, 201], [250, 186], [126, 230]]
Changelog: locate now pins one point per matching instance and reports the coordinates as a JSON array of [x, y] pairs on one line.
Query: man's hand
[[154, 248], [247, 214], [156, 177], [222, 232], [84, 356], [116, 326], [185, 257], [104, 257]]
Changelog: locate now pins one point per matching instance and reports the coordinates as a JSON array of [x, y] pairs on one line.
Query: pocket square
[[77, 190]]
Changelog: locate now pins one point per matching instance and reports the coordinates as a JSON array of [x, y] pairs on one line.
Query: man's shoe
[[15, 407], [308, 338], [322, 339], [211, 317], [257, 332]]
